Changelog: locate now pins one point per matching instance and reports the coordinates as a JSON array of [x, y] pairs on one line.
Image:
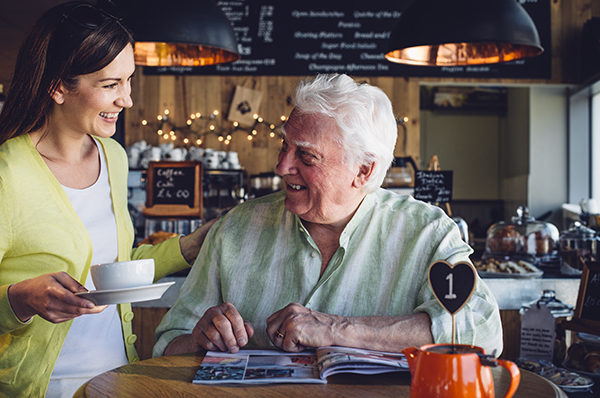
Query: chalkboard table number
[[174, 189], [452, 285]]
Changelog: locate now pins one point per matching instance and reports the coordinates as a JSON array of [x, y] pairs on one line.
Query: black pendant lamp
[[179, 32], [463, 32]]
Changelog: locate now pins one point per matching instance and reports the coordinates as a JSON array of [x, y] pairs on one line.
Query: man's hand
[[50, 296], [295, 327], [222, 328]]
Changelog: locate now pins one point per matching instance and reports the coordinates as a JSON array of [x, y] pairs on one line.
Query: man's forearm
[[385, 333]]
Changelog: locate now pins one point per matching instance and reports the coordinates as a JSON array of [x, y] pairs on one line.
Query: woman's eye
[[114, 85]]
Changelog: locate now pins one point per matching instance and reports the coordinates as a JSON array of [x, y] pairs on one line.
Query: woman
[[63, 204]]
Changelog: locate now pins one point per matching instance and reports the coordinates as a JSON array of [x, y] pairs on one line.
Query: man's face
[[320, 188]]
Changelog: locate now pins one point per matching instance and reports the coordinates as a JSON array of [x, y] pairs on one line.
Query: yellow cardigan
[[40, 233]]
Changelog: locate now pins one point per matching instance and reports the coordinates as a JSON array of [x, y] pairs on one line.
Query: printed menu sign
[[343, 36], [537, 333], [173, 189], [433, 186]]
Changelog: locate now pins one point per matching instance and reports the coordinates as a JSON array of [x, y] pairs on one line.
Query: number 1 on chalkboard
[[450, 295]]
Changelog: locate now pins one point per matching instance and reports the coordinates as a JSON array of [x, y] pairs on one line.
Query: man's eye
[[307, 157]]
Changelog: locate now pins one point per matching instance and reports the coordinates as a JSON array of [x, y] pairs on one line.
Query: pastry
[[157, 237], [576, 354], [506, 240], [592, 362]]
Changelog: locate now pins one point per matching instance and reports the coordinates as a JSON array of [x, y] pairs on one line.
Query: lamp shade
[[463, 32], [179, 32]]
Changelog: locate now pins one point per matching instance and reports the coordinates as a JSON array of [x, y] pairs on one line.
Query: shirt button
[[128, 316], [313, 254], [131, 339]]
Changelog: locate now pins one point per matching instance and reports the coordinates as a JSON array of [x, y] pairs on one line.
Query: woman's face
[[94, 106]]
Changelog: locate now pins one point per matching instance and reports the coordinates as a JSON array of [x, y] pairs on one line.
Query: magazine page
[[258, 367], [332, 360]]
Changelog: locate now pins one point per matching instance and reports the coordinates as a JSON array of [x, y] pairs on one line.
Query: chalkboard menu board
[[344, 36], [433, 186], [174, 189], [588, 300]]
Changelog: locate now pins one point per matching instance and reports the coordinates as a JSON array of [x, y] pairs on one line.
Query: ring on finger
[[279, 334]]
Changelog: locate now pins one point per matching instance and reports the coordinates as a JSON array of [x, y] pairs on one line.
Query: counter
[[510, 293]]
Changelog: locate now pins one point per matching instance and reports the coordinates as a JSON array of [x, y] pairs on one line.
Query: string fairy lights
[[198, 126]]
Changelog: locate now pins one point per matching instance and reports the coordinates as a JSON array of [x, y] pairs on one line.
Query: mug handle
[[515, 376]]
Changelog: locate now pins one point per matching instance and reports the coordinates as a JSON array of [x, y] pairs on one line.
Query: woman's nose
[[124, 100]]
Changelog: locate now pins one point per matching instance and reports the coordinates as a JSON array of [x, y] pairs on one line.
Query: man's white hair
[[364, 115]]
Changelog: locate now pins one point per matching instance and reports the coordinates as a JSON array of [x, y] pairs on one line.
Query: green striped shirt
[[260, 258]]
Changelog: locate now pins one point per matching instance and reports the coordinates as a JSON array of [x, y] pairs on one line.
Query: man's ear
[[365, 172], [58, 95]]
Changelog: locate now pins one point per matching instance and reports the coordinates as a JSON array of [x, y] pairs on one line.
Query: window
[[595, 145], [584, 143]]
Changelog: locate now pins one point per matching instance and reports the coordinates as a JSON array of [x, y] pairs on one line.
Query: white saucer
[[130, 295]]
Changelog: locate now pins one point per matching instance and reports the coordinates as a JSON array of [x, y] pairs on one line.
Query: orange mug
[[455, 370]]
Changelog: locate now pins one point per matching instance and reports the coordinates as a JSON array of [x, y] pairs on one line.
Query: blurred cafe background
[[519, 136]]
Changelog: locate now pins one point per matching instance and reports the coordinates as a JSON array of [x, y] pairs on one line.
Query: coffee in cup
[[123, 274]]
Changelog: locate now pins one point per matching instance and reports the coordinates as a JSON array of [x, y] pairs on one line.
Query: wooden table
[[171, 377]]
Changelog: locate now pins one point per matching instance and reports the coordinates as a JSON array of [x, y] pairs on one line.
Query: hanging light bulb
[[463, 32], [179, 32]]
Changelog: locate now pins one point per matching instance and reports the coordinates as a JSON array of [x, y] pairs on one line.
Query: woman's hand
[[191, 244], [50, 296]]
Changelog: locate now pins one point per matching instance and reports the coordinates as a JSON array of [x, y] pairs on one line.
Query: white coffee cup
[[123, 274]]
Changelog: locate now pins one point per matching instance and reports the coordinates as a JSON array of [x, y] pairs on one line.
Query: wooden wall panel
[[144, 323]]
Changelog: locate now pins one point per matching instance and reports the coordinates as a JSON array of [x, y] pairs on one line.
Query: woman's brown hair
[[58, 49]]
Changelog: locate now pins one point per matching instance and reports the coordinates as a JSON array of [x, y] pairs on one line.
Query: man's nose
[[285, 165]]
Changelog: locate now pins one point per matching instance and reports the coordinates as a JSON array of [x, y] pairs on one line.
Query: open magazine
[[271, 366]]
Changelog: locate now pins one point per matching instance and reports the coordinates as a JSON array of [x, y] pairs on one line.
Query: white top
[[94, 343]]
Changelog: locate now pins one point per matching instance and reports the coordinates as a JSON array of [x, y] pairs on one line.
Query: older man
[[334, 259]]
